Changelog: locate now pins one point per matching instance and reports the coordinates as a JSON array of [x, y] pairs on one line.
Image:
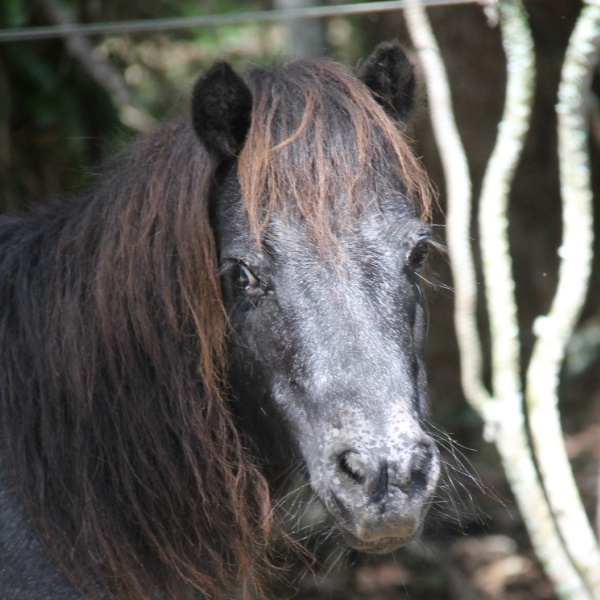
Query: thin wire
[[57, 31]]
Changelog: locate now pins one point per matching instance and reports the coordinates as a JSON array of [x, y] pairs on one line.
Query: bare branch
[[493, 207], [458, 184], [511, 437], [555, 329], [502, 413]]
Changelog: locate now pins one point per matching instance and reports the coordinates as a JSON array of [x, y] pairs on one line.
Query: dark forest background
[[64, 109]]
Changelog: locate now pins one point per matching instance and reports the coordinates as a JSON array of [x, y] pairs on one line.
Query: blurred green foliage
[[51, 114], [13, 13], [55, 120]]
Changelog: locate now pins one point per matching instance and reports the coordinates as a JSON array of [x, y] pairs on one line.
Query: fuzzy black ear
[[390, 76], [221, 108]]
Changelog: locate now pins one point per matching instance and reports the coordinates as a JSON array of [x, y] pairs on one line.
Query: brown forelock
[[132, 462], [322, 148]]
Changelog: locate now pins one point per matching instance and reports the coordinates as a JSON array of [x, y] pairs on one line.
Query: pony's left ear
[[221, 108], [390, 76]]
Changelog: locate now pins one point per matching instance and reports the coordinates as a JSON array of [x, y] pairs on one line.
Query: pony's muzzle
[[383, 495]]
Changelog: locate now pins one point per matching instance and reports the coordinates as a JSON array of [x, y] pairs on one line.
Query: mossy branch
[[502, 411], [554, 329]]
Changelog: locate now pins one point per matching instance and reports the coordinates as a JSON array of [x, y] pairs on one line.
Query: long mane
[[115, 423], [112, 352]]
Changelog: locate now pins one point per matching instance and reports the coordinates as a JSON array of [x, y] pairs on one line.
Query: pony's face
[[327, 359], [326, 346]]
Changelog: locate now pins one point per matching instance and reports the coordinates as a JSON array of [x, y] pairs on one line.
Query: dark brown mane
[[119, 432], [319, 140], [123, 434]]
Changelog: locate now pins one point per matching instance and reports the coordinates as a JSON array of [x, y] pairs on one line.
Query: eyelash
[[246, 281], [418, 253]]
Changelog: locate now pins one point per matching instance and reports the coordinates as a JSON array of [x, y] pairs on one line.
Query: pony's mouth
[[374, 533], [381, 546]]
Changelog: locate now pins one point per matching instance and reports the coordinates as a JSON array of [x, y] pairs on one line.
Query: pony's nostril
[[350, 464], [419, 468]]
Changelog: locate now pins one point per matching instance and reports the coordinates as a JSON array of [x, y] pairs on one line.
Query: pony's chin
[[383, 545]]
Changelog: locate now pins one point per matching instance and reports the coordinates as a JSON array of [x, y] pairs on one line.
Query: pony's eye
[[245, 280], [418, 253]]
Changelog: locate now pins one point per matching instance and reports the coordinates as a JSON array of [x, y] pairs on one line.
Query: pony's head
[[318, 209]]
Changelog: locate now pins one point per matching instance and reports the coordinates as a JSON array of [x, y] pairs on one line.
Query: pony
[[236, 297]]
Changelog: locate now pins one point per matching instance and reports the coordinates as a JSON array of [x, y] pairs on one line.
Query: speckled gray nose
[[376, 473]]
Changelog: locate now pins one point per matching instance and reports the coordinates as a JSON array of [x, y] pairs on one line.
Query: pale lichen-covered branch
[[502, 411], [511, 437], [458, 185], [493, 208], [554, 330]]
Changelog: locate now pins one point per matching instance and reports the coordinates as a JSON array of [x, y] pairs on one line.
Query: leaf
[[13, 13]]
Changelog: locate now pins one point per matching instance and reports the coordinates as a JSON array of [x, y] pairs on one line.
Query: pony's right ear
[[390, 76], [221, 108]]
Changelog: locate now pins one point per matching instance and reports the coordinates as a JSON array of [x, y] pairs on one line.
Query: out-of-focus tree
[[64, 103]]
